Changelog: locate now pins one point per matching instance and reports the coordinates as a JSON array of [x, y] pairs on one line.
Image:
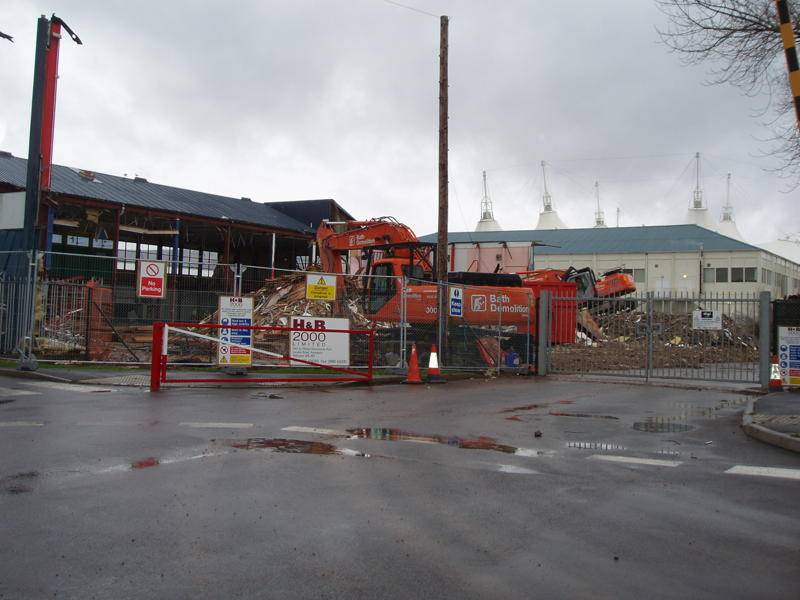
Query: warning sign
[[789, 354], [314, 342], [235, 311], [151, 280], [320, 287], [706, 319]]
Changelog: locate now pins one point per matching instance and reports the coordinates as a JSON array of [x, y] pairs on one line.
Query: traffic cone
[[433, 368], [775, 380], [413, 367]]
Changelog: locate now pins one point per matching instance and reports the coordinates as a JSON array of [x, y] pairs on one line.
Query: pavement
[[775, 419], [506, 488]]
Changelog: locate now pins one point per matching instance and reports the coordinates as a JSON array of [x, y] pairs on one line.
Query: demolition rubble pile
[[619, 343]]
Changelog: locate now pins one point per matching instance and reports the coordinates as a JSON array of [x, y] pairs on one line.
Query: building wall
[[713, 272]]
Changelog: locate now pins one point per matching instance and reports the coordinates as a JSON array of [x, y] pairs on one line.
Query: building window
[[148, 251], [210, 260], [750, 274], [737, 274], [56, 239], [708, 275], [166, 254], [126, 256], [190, 265], [103, 244], [721, 275], [78, 240]]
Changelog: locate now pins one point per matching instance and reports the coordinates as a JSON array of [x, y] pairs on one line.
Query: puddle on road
[[284, 445], [594, 446], [399, 435], [514, 418], [13, 484], [145, 463], [6, 400], [587, 415], [662, 425]]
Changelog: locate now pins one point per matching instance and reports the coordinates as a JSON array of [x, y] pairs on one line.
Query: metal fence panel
[[653, 336]]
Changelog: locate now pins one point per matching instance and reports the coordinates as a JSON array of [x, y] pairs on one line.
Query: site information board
[[789, 354], [151, 279], [320, 287], [235, 311], [706, 319], [456, 302], [313, 342]]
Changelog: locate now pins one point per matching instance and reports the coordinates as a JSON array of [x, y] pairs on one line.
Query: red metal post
[[156, 359], [371, 354], [49, 102]]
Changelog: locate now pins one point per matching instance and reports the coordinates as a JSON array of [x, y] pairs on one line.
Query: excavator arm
[[334, 239]]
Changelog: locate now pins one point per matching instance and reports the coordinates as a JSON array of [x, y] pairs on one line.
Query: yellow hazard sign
[[320, 287]]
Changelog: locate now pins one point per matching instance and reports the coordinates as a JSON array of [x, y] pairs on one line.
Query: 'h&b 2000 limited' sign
[[312, 340]]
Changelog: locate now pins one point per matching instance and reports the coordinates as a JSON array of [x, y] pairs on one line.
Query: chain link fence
[[711, 337], [85, 307]]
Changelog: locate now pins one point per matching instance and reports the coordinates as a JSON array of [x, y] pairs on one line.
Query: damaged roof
[[141, 193]]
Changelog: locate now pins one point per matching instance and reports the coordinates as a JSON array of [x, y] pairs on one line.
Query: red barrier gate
[[159, 360]]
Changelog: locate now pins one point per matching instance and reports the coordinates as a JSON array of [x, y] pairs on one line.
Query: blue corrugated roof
[[616, 240], [138, 192]]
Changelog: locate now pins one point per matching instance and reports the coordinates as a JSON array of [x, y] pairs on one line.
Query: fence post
[[764, 330], [649, 360], [403, 328], [27, 361], [528, 337], [155, 357], [543, 333], [88, 316]]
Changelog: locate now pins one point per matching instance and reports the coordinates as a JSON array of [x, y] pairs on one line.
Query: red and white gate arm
[[158, 365]]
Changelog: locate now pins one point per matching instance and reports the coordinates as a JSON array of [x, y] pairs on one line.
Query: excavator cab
[[584, 279], [381, 288]]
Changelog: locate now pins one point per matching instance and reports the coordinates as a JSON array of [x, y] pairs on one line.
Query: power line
[[418, 10]]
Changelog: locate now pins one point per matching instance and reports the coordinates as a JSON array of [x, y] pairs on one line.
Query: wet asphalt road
[[448, 514]]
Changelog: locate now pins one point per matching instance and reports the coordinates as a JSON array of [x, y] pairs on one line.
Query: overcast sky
[[339, 99]]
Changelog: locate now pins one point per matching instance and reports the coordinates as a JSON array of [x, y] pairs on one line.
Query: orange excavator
[[393, 255]]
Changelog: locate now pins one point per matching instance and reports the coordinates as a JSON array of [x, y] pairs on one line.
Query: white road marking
[[318, 430], [516, 470], [636, 461], [20, 424], [765, 472], [13, 392], [67, 387], [530, 452], [217, 425]]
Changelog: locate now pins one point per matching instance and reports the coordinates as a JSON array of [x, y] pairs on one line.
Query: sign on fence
[[235, 311], [789, 354], [151, 280], [456, 302], [320, 287], [706, 319], [316, 344]]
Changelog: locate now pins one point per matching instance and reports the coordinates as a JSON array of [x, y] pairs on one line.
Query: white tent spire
[[599, 216], [487, 222], [548, 218]]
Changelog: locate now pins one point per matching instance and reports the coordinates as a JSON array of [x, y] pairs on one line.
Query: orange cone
[[413, 367], [434, 376], [775, 380]]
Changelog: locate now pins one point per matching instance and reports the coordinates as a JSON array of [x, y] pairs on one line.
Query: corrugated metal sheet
[[131, 192], [611, 240]]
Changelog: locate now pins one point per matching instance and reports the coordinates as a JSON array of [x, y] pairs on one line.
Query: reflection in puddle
[[145, 463], [525, 407], [284, 445], [12, 484], [515, 469], [594, 446], [399, 435], [662, 425], [575, 414]]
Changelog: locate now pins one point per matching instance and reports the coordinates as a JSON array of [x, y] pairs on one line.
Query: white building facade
[[662, 259]]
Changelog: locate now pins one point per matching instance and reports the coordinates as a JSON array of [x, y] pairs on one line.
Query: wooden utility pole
[[441, 245]]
